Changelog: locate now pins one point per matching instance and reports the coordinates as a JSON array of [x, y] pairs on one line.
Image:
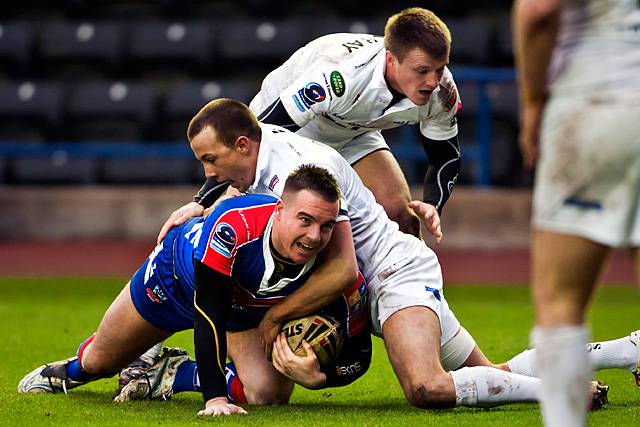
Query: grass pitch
[[43, 320]]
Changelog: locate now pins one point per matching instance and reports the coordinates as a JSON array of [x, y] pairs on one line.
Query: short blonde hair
[[417, 27]]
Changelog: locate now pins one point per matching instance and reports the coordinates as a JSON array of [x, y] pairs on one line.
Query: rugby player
[[579, 71], [424, 340], [343, 89], [247, 255]]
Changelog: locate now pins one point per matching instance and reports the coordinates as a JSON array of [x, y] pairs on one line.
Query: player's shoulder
[[447, 92], [238, 220], [240, 206]]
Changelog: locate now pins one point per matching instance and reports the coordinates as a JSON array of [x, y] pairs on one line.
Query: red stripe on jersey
[[358, 312], [233, 229]]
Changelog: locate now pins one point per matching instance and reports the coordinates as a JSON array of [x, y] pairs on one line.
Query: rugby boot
[[49, 378]]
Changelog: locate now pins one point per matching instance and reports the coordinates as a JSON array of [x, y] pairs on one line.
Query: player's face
[[235, 164], [417, 76], [302, 225]]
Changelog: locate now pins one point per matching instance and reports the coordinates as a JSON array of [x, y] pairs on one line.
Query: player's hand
[[220, 406], [303, 370], [179, 216], [530, 119], [429, 215], [268, 331]]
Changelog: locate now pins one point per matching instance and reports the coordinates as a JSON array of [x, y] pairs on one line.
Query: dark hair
[[313, 178], [229, 118], [417, 27]]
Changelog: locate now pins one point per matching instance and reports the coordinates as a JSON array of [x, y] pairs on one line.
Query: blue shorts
[[160, 298]]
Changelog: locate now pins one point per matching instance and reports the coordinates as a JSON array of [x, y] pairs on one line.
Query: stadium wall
[[473, 218]]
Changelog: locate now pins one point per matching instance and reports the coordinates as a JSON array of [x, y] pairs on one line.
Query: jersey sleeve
[[313, 93], [442, 123]]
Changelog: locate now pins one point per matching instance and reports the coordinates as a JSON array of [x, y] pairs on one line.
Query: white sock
[[486, 387], [563, 367], [524, 363], [620, 353]]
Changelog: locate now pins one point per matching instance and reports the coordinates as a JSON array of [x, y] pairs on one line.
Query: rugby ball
[[323, 333]]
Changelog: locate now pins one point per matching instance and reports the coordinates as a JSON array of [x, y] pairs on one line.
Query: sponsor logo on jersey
[[156, 295], [274, 181], [450, 101], [298, 103], [311, 94], [350, 369], [337, 83], [224, 239]]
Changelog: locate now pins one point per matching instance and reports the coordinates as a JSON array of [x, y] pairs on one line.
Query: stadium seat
[[471, 41], [261, 40], [109, 111], [16, 44], [58, 168], [30, 110], [183, 100], [341, 25], [169, 46], [80, 49], [148, 170]]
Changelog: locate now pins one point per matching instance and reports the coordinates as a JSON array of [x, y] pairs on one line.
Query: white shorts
[[588, 176], [362, 146], [414, 280]]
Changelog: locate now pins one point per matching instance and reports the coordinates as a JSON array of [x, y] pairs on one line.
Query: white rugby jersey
[[598, 49], [334, 89], [377, 241]]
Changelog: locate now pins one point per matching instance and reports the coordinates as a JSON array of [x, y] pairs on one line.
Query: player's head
[[306, 214], [418, 45], [224, 136]]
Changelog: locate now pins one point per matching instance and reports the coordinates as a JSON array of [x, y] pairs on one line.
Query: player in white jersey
[[343, 89], [579, 70], [424, 339]]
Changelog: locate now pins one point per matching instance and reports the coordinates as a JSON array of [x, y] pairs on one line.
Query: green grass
[[43, 320]]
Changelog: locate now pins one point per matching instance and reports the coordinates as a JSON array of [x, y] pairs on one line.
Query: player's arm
[[353, 361], [212, 302], [439, 180], [535, 27], [307, 97], [442, 171], [206, 196], [337, 273], [276, 114]]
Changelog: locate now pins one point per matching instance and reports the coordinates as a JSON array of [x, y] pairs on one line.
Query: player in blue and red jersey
[[219, 275]]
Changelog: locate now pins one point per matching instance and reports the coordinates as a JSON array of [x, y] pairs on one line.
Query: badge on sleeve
[[311, 94], [224, 239]]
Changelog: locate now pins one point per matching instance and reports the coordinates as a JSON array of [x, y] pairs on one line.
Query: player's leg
[[381, 173], [412, 338], [262, 383], [122, 335], [565, 270], [621, 353]]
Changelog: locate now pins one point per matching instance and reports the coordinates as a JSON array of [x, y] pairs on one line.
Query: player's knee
[[429, 395], [267, 397]]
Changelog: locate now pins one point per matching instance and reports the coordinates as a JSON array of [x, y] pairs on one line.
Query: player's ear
[[242, 144], [279, 209]]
